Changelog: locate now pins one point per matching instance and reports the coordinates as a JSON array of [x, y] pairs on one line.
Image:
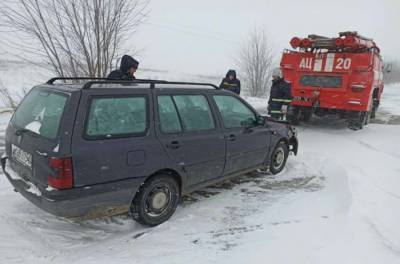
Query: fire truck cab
[[342, 76]]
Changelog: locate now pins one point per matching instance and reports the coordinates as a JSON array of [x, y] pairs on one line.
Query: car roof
[[84, 83]]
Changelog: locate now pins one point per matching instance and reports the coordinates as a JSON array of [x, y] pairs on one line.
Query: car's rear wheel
[[279, 157], [156, 200]]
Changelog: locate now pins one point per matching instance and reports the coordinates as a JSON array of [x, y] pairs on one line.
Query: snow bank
[[336, 202], [390, 101]]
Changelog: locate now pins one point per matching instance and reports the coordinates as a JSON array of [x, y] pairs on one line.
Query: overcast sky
[[203, 36]]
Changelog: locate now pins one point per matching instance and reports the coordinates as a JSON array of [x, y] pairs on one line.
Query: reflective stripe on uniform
[[281, 100], [276, 112], [229, 84]]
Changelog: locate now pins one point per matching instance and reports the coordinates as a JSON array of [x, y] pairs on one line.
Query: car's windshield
[[41, 112]]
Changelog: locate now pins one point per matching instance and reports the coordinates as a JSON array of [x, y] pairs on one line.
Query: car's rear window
[[41, 113], [321, 81]]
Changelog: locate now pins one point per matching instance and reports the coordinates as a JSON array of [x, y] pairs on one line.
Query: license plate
[[21, 156], [300, 98]]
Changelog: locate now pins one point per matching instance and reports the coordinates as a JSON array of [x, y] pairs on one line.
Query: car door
[[113, 139], [190, 135], [246, 141]]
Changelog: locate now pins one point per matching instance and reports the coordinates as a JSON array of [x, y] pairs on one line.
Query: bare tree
[[74, 37], [256, 59], [6, 97], [9, 99]]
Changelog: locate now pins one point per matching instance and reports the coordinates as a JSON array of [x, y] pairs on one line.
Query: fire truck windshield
[[321, 81]]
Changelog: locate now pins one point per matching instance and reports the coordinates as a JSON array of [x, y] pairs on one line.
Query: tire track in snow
[[386, 242], [373, 183], [252, 194], [369, 146]]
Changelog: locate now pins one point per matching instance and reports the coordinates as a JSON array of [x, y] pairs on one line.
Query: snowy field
[[338, 201]]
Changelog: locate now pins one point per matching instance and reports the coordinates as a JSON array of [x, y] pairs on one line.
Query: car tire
[[279, 157], [156, 200]]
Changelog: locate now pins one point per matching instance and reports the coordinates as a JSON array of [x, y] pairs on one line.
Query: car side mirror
[[260, 121], [250, 122]]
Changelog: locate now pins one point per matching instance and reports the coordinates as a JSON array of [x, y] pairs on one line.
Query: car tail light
[[62, 176], [357, 88]]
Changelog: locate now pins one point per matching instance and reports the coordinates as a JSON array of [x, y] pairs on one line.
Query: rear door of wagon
[[40, 129]]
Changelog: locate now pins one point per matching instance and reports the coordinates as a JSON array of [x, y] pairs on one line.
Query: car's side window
[[117, 116], [195, 112], [169, 119], [234, 113]]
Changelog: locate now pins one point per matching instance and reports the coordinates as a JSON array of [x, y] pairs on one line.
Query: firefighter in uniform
[[280, 96], [230, 82]]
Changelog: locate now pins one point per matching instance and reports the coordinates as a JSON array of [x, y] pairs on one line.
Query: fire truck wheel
[[306, 115], [358, 120], [374, 109], [293, 115], [373, 112], [367, 118]]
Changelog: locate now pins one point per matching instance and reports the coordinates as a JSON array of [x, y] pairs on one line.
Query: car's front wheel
[[278, 158], [156, 200]]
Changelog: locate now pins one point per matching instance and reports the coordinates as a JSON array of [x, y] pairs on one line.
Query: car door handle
[[231, 137], [173, 145]]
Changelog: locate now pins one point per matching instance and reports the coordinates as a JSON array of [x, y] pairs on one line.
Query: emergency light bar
[[350, 41]]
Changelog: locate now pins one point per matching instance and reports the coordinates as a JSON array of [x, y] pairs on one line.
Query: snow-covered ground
[[338, 201]]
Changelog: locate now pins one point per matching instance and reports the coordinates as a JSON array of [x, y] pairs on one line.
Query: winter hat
[[277, 72], [231, 72], [127, 62]]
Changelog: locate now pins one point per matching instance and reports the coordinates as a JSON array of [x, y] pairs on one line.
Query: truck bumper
[[79, 203]]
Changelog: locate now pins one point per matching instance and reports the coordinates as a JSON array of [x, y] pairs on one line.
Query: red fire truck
[[342, 75]]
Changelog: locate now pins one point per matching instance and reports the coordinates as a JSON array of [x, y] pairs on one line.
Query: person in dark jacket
[[280, 95], [126, 70], [230, 82]]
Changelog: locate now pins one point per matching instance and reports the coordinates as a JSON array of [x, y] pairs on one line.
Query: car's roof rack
[[93, 81], [52, 80], [152, 83]]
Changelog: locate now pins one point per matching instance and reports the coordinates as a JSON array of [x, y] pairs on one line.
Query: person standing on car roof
[[230, 82], [280, 95], [126, 70]]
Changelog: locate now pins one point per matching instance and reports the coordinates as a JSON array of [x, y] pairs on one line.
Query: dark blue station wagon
[[101, 147]]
